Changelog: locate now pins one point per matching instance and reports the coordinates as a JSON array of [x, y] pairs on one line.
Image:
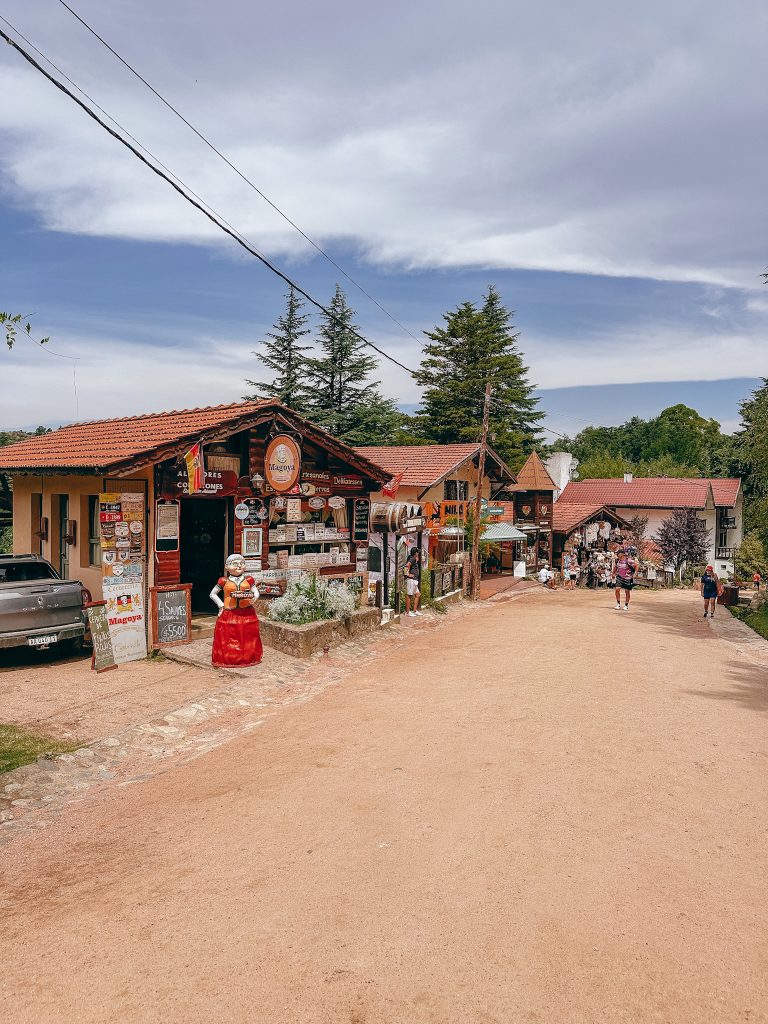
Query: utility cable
[[186, 194], [185, 191], [236, 169]]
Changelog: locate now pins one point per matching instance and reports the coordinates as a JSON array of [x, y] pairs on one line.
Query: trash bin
[[729, 596]]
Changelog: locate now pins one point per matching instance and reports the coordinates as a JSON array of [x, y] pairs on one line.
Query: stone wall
[[301, 641]]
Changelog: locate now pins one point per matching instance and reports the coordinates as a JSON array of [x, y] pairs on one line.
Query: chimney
[[628, 478]]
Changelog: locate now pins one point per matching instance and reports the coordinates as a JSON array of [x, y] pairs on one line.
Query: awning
[[497, 532]]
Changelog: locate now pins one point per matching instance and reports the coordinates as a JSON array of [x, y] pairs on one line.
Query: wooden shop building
[[276, 488]]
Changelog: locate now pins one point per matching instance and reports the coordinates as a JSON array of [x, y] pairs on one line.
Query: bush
[[312, 600], [6, 540]]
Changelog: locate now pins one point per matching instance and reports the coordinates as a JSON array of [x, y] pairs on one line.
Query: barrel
[[388, 516]]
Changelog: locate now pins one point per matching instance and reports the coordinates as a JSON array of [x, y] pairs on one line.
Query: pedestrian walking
[[757, 579], [412, 573], [624, 568], [709, 588], [568, 562]]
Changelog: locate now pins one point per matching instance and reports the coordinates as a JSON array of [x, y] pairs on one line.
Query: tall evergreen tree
[[476, 346], [284, 354], [339, 377]]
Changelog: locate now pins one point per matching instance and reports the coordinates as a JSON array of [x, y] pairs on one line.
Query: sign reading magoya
[[282, 464]]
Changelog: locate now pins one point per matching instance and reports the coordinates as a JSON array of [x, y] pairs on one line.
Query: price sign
[[171, 615]]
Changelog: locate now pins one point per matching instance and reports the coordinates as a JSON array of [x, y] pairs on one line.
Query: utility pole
[[475, 572]]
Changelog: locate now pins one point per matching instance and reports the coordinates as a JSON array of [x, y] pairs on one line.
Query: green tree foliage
[[12, 323], [283, 353], [375, 421], [678, 442], [339, 378], [683, 539], [751, 558], [474, 346]]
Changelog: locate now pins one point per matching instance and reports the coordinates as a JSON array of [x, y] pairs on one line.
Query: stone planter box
[[302, 641]]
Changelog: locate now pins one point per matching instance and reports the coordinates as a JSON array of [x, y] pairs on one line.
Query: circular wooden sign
[[282, 463]]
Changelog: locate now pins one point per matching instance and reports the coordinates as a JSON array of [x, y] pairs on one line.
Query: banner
[[126, 618]]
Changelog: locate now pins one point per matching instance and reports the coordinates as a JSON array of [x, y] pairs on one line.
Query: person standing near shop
[[624, 568], [412, 573], [709, 588]]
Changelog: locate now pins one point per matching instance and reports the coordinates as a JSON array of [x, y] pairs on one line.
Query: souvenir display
[[236, 639]]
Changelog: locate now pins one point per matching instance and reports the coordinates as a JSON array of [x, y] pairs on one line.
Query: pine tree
[[284, 355], [476, 346], [339, 378]]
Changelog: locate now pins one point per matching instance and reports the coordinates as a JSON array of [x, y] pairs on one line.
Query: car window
[[22, 572]]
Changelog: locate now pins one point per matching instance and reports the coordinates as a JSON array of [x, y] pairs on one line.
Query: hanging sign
[[282, 463], [360, 519], [242, 511]]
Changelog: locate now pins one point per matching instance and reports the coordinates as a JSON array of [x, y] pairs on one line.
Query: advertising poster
[[122, 522], [126, 618]]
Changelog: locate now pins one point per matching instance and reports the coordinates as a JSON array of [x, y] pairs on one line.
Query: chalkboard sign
[[171, 615], [103, 657], [360, 528]]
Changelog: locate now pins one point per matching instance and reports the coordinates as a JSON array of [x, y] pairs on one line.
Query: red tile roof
[[104, 444], [533, 476], [567, 517], [652, 492], [426, 465]]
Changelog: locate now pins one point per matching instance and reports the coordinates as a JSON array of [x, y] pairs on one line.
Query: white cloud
[[618, 141]]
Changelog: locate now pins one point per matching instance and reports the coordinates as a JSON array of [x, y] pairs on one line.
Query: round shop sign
[[316, 502], [282, 464], [242, 511]]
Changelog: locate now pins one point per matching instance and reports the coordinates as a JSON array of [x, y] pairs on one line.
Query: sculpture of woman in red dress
[[236, 639]]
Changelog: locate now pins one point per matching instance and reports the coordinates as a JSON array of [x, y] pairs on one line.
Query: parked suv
[[38, 608]]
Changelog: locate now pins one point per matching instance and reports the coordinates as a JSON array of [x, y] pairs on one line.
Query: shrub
[[312, 600]]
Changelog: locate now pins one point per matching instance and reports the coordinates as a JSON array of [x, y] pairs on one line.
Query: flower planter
[[302, 641]]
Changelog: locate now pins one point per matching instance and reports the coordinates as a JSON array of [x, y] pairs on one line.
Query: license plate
[[41, 641]]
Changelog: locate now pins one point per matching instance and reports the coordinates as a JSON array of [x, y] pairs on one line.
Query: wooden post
[[475, 591]]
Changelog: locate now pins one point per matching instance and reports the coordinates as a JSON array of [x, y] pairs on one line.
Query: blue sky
[[574, 170]]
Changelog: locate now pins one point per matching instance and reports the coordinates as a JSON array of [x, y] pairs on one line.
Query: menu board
[[103, 657], [360, 521], [171, 615]]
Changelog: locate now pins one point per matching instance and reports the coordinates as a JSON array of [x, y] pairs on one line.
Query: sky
[[602, 165]]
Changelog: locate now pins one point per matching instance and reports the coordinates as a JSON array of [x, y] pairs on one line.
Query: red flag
[[195, 468], [393, 486]]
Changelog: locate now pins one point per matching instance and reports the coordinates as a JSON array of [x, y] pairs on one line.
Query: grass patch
[[18, 747], [755, 620]]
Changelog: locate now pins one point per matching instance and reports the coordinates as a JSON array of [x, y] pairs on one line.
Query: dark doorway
[[202, 541]]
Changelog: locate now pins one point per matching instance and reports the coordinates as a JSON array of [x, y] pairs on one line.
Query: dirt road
[[557, 814]]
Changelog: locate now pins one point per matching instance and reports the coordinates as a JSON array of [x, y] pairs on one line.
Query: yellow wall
[[78, 488]]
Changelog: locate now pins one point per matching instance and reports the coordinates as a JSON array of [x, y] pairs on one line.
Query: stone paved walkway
[[240, 703]]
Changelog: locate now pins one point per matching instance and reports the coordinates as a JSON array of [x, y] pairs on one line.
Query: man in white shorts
[[412, 573]]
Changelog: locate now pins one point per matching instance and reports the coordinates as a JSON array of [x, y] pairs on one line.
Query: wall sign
[[251, 541], [166, 525], [344, 482], [242, 511], [360, 519], [282, 463], [171, 615]]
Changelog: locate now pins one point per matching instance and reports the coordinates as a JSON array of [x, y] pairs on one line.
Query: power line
[[187, 193], [183, 191], [236, 169]]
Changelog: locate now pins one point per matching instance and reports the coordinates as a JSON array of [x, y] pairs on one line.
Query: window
[[455, 490], [94, 533]]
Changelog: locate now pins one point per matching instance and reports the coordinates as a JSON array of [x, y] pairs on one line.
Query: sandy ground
[[557, 814], [62, 697]]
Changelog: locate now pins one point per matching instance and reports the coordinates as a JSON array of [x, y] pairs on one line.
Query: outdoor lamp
[[257, 481]]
